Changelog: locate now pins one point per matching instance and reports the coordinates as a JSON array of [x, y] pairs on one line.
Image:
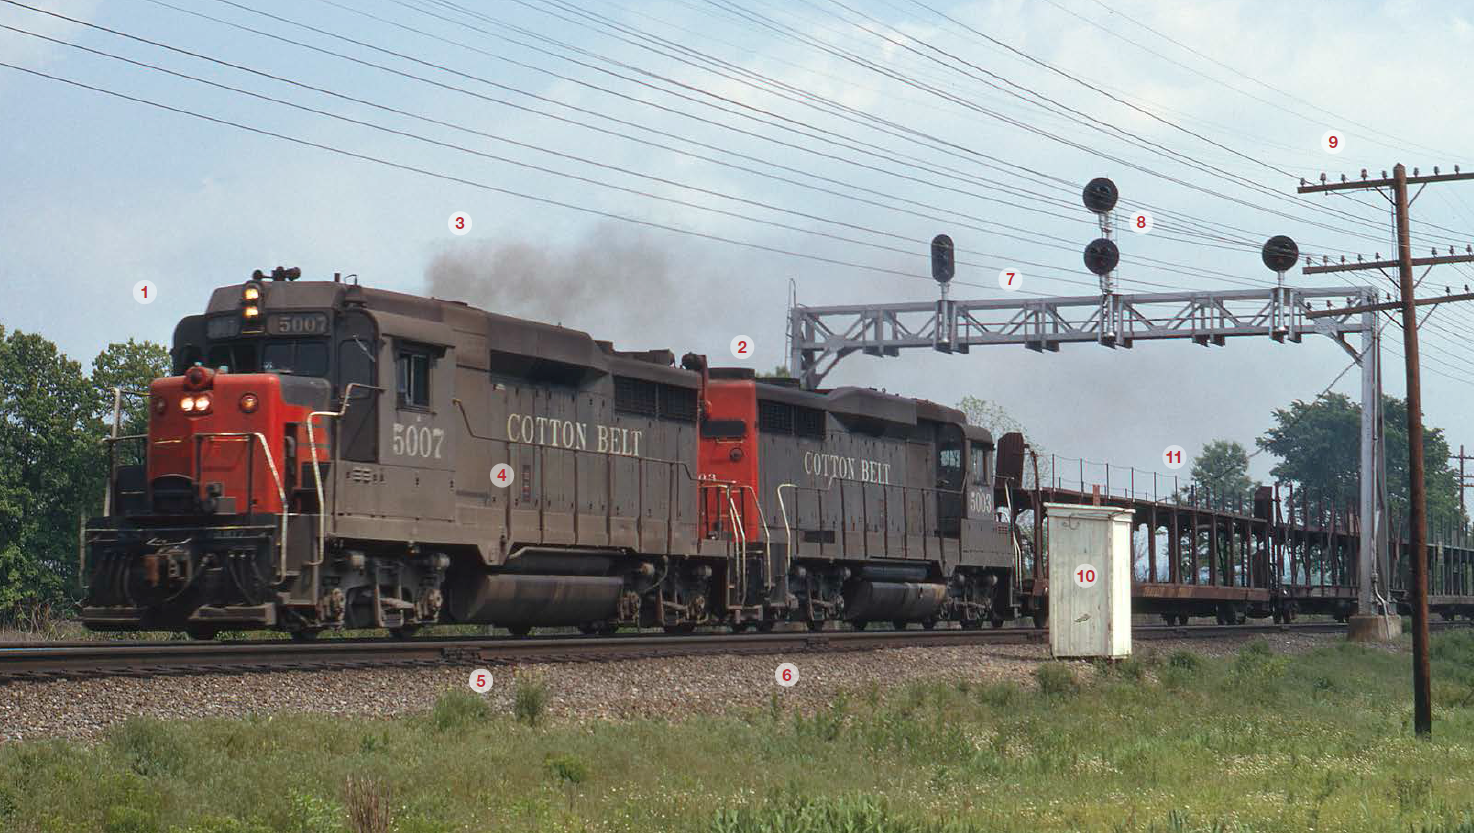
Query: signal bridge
[[820, 336]]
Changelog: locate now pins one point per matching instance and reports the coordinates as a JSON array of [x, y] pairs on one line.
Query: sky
[[664, 174]]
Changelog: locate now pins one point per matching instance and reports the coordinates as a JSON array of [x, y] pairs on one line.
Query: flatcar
[[327, 455]]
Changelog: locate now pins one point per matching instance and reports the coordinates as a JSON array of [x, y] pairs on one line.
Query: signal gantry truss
[[821, 336]]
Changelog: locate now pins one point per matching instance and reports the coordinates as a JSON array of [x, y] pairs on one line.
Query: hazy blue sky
[[100, 192]]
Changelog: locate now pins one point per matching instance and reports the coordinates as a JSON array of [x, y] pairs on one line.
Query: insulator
[[1415, 171], [1435, 170], [1363, 173], [1322, 177], [1343, 177]]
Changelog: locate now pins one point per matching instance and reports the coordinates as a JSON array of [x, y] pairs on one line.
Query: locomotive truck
[[328, 455]]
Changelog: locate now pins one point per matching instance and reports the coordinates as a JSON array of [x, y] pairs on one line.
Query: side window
[[979, 473], [412, 377]]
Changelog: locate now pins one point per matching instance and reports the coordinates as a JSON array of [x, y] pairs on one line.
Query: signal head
[[1100, 195], [1279, 253], [943, 263], [1101, 256]]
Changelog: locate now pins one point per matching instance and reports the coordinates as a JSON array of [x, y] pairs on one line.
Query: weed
[[1056, 679], [150, 747], [309, 813], [368, 805], [457, 708], [1000, 695], [826, 724], [569, 770], [1186, 660], [128, 820], [1412, 793], [530, 698]]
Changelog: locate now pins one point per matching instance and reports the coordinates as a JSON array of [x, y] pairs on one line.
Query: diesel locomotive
[[329, 455]]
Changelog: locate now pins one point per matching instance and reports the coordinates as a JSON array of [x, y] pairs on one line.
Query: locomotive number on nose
[[418, 440]]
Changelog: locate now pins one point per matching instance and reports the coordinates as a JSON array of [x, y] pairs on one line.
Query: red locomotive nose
[[198, 378]]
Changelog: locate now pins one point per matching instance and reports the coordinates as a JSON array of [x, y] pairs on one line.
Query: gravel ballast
[[657, 687]]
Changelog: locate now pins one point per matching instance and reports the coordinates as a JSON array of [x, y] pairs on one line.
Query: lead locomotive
[[327, 455]]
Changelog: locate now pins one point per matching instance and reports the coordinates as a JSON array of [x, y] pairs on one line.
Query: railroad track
[[142, 659]]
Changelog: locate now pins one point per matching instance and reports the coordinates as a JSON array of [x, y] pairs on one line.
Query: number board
[[298, 324], [225, 326]]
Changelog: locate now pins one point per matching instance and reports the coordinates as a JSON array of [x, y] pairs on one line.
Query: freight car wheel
[[405, 632], [304, 636], [899, 624], [816, 625], [202, 634], [972, 624], [1041, 618], [860, 624], [519, 630], [929, 624], [996, 622]]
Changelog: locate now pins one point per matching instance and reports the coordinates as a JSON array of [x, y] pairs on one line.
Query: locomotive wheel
[[996, 622], [928, 624], [685, 627], [1182, 619], [740, 627], [404, 632], [304, 636], [1041, 619], [816, 625], [202, 634], [767, 625], [860, 624], [899, 624], [972, 624], [519, 630]]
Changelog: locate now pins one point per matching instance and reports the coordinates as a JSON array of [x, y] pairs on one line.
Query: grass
[[1177, 744]]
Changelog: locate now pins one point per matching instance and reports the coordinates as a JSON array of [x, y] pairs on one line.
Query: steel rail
[[141, 659]]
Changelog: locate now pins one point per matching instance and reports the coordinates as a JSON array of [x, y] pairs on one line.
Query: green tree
[[48, 471], [1319, 446], [53, 464], [129, 365], [989, 415], [1221, 473]]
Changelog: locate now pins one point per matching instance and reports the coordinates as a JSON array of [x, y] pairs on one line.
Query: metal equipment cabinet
[[1089, 581]]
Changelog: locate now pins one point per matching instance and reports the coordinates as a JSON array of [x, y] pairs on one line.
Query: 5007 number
[[418, 441]]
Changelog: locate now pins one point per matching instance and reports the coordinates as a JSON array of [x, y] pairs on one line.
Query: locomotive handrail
[[112, 460], [787, 532], [322, 507], [280, 489]]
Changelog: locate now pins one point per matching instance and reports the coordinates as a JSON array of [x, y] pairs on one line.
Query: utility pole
[[1463, 478], [1418, 528]]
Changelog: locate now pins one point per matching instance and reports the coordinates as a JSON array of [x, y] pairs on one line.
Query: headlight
[[251, 311], [251, 293], [186, 404], [202, 403], [249, 403]]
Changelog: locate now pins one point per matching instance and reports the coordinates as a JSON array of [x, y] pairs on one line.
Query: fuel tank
[[506, 599], [882, 600]]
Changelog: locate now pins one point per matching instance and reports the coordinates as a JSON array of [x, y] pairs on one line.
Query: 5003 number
[[418, 440]]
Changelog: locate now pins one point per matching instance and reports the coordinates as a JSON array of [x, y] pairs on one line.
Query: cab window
[[295, 357], [238, 357], [412, 374], [979, 471]]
